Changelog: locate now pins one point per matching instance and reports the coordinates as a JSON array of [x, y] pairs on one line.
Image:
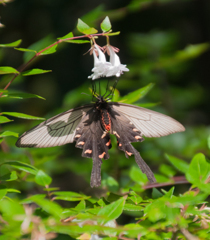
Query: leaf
[[112, 184], [179, 164], [84, 28], [80, 206], [3, 192], [22, 166], [112, 211], [42, 178], [8, 134], [138, 176], [69, 35], [8, 70], [78, 41], [208, 141], [134, 197], [112, 34], [132, 207], [106, 24], [22, 95], [199, 170], [136, 95], [167, 170], [4, 119], [9, 176], [48, 206], [25, 50], [49, 50], [13, 44], [69, 196], [13, 176], [22, 115], [35, 71]]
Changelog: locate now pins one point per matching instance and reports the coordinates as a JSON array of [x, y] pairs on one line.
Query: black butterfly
[[90, 127]]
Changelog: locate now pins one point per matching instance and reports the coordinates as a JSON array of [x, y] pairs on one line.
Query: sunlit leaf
[[69, 196], [132, 207], [8, 70], [20, 95], [25, 50], [13, 44], [8, 134], [84, 28], [49, 50], [42, 178], [78, 41], [136, 95], [112, 211], [4, 119], [35, 71], [22, 115], [138, 176], [22, 166], [106, 24], [48, 206], [112, 34], [69, 35], [179, 164]]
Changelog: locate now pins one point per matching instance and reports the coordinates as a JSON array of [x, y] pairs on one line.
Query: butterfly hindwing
[[126, 133], [89, 137]]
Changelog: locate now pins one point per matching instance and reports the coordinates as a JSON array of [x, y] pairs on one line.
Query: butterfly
[[90, 127]]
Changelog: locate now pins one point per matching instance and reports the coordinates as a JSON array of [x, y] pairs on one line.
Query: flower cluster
[[102, 68]]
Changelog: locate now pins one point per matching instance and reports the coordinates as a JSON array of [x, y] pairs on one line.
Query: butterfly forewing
[[148, 122], [56, 131]]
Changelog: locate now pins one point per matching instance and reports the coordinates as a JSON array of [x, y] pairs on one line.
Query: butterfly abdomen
[[105, 119]]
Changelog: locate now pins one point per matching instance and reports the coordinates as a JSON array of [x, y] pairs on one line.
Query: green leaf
[[35, 71], [112, 211], [167, 170], [69, 35], [9, 176], [112, 34], [4, 119], [25, 50], [22, 166], [49, 50], [42, 178], [132, 207], [179, 164], [22, 95], [156, 193], [138, 176], [112, 184], [199, 170], [84, 28], [48, 206], [13, 44], [134, 197], [80, 206], [106, 24], [8, 134], [208, 141], [136, 95], [22, 115], [3, 192], [8, 70], [13, 176], [69, 196], [78, 41]]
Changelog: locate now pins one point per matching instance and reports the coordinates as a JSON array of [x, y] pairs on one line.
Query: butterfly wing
[[127, 133], [56, 131], [89, 137], [148, 122]]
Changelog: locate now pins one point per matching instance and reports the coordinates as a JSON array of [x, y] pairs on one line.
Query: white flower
[[101, 66], [117, 68]]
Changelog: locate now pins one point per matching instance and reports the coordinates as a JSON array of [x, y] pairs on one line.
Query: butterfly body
[[90, 127]]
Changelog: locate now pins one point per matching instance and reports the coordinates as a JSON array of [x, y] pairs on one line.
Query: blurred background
[[165, 42]]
